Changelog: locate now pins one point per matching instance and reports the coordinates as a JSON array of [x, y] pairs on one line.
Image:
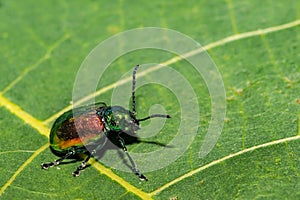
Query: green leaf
[[255, 46]]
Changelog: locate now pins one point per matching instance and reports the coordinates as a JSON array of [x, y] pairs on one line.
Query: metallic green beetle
[[80, 132]]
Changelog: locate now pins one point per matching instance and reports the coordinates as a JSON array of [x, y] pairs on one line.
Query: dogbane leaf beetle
[[80, 131]]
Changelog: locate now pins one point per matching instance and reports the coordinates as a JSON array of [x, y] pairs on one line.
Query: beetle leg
[[58, 161], [81, 166], [135, 170]]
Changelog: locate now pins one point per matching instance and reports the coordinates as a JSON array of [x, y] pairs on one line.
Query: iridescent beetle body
[[80, 131], [76, 128]]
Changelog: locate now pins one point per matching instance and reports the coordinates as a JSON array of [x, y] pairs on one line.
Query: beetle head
[[117, 118]]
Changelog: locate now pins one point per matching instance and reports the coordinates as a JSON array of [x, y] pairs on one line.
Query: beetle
[[79, 132]]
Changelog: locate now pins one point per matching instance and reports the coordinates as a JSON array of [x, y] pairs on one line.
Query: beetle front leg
[[135, 170], [58, 161]]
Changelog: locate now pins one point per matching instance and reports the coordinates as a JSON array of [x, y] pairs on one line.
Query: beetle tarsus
[[141, 176], [76, 173], [47, 165]]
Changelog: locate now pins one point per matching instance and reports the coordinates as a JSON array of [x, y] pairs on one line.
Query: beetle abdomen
[[76, 130]]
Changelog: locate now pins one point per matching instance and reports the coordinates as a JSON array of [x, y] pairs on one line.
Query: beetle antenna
[[153, 116], [133, 88]]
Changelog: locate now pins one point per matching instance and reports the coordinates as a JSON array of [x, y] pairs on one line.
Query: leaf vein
[[22, 167], [215, 162], [176, 59], [232, 18], [36, 64]]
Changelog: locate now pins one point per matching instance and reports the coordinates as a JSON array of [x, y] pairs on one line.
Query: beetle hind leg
[[81, 166], [58, 161]]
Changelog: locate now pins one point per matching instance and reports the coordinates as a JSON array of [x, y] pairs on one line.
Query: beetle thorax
[[117, 118]]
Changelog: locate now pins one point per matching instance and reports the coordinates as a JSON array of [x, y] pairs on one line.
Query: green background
[[43, 43]]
